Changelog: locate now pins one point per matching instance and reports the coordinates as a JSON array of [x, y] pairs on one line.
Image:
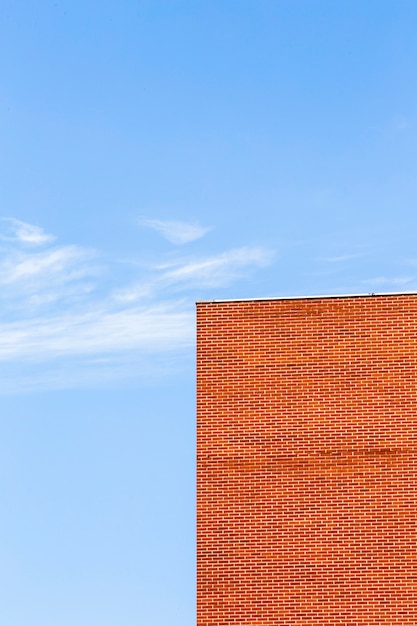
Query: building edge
[[370, 294]]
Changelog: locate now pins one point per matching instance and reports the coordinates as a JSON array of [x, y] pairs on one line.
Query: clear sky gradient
[[154, 153]]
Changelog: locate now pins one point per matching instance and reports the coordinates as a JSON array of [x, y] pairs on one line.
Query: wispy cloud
[[387, 280], [218, 270], [339, 258], [176, 232], [31, 281], [63, 322], [64, 262], [199, 273], [15, 230], [102, 332]]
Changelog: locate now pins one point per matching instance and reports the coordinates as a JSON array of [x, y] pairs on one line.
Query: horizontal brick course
[[306, 434]]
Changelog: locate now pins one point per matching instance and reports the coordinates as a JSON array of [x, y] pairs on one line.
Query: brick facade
[[307, 466]]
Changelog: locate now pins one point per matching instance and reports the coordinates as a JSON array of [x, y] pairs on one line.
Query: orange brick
[[307, 462]]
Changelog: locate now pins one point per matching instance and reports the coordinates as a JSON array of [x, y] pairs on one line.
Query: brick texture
[[307, 468]]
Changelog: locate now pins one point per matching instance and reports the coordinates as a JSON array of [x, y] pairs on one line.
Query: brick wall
[[307, 470]]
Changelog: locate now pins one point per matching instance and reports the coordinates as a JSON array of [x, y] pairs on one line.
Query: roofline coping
[[312, 297]]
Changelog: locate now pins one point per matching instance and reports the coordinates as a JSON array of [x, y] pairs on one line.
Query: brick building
[[307, 467]]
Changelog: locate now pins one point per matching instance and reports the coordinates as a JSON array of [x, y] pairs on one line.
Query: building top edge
[[371, 294]]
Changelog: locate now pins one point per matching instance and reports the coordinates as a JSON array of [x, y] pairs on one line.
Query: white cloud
[[136, 292], [174, 231], [22, 232], [339, 259], [63, 262], [206, 272], [65, 321], [159, 327], [386, 280], [218, 270], [31, 281]]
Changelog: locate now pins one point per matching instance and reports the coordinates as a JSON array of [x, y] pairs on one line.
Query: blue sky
[[154, 153]]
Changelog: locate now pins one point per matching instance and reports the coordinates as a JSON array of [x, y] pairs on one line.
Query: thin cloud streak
[[176, 232], [63, 262], [62, 322], [218, 270], [22, 232], [215, 271], [386, 280], [163, 327], [340, 259]]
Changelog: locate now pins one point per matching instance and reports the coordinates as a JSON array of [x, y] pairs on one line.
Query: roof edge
[[371, 294]]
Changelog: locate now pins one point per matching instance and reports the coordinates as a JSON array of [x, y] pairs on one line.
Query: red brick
[[307, 467]]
